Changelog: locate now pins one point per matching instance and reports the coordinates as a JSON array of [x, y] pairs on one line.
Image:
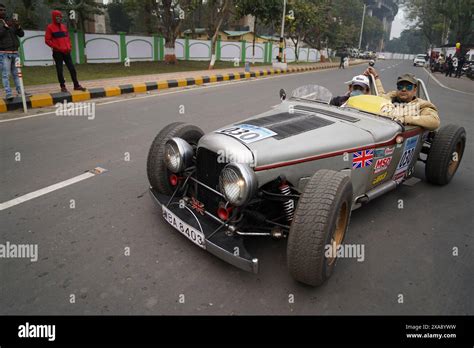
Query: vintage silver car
[[295, 172]]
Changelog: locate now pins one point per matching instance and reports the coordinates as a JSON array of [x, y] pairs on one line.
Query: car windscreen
[[312, 93]]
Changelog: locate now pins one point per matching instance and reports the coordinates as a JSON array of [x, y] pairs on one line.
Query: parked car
[[470, 70], [295, 172], [419, 60]]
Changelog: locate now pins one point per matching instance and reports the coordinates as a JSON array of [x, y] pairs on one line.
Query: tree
[[171, 14], [218, 11], [27, 12], [267, 11], [459, 15], [409, 42], [344, 23], [302, 21], [440, 20], [78, 11], [373, 33], [320, 30], [120, 20], [426, 17]]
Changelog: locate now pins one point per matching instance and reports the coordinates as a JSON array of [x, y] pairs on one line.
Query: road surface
[[84, 230]]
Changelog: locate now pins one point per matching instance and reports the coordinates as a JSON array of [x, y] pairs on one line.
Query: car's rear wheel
[[320, 223], [444, 158], [158, 173]]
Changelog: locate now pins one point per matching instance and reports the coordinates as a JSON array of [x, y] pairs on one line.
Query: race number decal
[[247, 133], [407, 157]]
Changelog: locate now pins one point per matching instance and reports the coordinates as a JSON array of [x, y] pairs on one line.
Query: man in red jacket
[[57, 37]]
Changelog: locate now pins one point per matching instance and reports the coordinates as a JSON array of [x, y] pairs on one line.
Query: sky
[[399, 24]]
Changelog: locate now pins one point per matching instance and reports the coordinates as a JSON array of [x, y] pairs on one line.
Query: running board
[[376, 192]]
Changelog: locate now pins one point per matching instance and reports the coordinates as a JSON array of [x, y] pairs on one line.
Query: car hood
[[299, 130]]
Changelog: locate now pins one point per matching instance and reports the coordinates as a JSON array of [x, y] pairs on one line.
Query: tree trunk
[[216, 34], [296, 50], [254, 38]]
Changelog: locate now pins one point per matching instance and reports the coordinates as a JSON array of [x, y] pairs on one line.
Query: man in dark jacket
[[10, 31], [357, 86], [461, 61], [57, 37], [343, 57], [449, 65]]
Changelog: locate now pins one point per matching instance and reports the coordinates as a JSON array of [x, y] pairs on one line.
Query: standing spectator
[[57, 37], [461, 62], [10, 31], [343, 57], [449, 65], [455, 65]]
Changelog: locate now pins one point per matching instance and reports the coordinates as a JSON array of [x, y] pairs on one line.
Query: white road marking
[[182, 90], [441, 85], [43, 191]]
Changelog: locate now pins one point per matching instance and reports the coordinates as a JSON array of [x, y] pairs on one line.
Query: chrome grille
[[208, 171]]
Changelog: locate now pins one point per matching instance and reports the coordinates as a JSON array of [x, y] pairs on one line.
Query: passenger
[[357, 86], [408, 109]]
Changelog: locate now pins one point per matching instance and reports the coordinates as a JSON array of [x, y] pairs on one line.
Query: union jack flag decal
[[361, 159]]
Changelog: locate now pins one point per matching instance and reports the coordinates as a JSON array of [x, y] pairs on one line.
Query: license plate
[[195, 236]]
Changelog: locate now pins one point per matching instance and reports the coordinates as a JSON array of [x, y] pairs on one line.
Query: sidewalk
[[463, 83], [117, 81], [49, 94]]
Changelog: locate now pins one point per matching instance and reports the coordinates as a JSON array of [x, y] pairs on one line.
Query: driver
[[408, 109], [357, 86]]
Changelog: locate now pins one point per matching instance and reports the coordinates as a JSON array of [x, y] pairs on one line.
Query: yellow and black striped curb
[[50, 99]]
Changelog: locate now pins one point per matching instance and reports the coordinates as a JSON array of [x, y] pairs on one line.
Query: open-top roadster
[[294, 172]]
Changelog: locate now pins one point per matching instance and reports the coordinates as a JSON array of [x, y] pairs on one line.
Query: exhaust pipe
[[376, 192]]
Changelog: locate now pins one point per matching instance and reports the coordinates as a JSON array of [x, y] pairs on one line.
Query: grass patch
[[38, 75]]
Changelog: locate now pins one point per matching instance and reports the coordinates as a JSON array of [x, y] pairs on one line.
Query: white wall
[[179, 48], [259, 52], [102, 48], [231, 50], [139, 48], [200, 49], [36, 51]]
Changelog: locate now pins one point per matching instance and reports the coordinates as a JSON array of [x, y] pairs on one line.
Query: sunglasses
[[408, 87]]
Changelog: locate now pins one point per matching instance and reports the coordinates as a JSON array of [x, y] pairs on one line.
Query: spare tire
[[158, 173]]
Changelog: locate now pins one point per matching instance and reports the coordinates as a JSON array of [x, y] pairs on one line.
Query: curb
[[50, 99]]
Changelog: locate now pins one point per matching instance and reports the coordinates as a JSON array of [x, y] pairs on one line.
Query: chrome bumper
[[231, 249]]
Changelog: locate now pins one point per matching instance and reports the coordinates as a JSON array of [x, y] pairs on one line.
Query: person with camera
[[10, 32]]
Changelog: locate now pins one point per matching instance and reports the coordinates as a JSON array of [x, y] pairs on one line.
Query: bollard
[[247, 67], [20, 77]]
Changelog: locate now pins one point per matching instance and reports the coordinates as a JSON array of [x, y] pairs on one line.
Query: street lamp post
[[280, 52], [362, 27]]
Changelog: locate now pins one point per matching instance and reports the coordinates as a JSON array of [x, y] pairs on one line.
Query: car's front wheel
[[319, 226], [445, 154], [158, 173]]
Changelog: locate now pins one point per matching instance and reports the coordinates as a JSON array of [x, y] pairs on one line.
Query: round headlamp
[[178, 155], [237, 183]]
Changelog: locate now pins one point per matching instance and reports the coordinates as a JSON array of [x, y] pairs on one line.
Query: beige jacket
[[418, 112]]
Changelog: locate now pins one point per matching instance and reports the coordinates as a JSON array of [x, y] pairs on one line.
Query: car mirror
[[282, 94]]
